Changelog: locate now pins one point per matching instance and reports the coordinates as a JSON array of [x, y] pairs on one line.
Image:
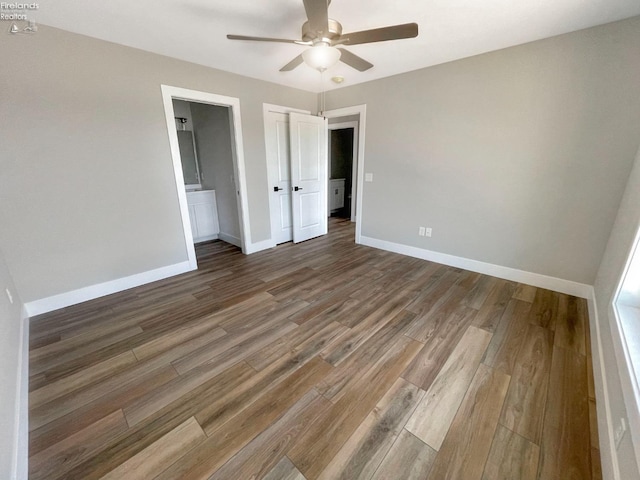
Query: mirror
[[190, 167]]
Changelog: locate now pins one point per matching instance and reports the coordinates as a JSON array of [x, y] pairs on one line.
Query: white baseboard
[[225, 237], [206, 238], [259, 246], [84, 294], [20, 470], [609, 458], [537, 280]]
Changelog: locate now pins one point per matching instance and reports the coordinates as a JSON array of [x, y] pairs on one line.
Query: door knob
[[276, 189], [297, 188]]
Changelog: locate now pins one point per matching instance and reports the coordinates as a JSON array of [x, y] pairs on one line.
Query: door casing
[[170, 93], [360, 110]]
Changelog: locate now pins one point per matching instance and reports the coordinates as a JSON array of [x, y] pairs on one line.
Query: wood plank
[[140, 436], [319, 444], [508, 337], [61, 406], [491, 311], [227, 405], [55, 461], [466, 447], [284, 470], [205, 459], [82, 417], [175, 337], [49, 357], [480, 292], [544, 310], [524, 406], [409, 459], [438, 347], [565, 448], [81, 379], [596, 464], [571, 328], [363, 452], [347, 374], [161, 454], [512, 457], [182, 385], [526, 293], [353, 338], [234, 346], [261, 455], [432, 417], [426, 324]]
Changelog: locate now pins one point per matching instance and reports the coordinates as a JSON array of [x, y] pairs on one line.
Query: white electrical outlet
[[9, 296], [421, 231], [618, 434], [427, 232]]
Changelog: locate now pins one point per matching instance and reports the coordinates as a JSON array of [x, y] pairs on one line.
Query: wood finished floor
[[319, 360]]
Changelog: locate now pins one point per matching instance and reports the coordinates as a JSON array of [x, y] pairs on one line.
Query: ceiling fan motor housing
[[334, 33]]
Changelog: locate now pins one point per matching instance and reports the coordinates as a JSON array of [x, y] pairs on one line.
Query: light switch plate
[[368, 177]]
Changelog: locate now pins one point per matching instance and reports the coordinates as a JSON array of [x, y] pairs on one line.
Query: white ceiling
[[195, 30]]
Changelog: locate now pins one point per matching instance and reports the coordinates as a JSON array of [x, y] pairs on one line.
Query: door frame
[[170, 93], [354, 161], [345, 112], [266, 109]]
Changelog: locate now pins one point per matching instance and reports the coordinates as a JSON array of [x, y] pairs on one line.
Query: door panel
[[309, 163], [279, 172]]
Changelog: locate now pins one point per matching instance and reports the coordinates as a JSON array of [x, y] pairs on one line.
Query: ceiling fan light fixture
[[321, 56]]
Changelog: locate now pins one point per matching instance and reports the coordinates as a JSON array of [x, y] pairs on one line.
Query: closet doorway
[[297, 169]]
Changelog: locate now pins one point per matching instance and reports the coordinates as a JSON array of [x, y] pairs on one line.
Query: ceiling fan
[[323, 34]]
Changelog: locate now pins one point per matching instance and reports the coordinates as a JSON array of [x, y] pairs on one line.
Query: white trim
[[543, 281], [354, 161], [266, 109], [259, 246], [19, 463], [608, 455], [84, 294], [225, 237], [269, 107], [345, 112], [170, 93], [206, 238], [623, 324]]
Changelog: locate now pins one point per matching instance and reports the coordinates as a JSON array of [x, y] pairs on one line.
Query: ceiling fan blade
[[318, 15], [292, 64], [396, 32], [266, 39], [354, 61]]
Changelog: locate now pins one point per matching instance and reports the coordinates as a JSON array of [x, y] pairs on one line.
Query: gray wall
[[611, 269], [517, 157], [87, 192], [212, 130], [10, 342]]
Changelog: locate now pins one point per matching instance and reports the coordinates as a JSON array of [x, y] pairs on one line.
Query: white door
[[279, 172], [309, 164]]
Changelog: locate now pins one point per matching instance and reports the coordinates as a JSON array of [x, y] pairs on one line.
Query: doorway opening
[[351, 118], [205, 130], [343, 150], [206, 151]]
